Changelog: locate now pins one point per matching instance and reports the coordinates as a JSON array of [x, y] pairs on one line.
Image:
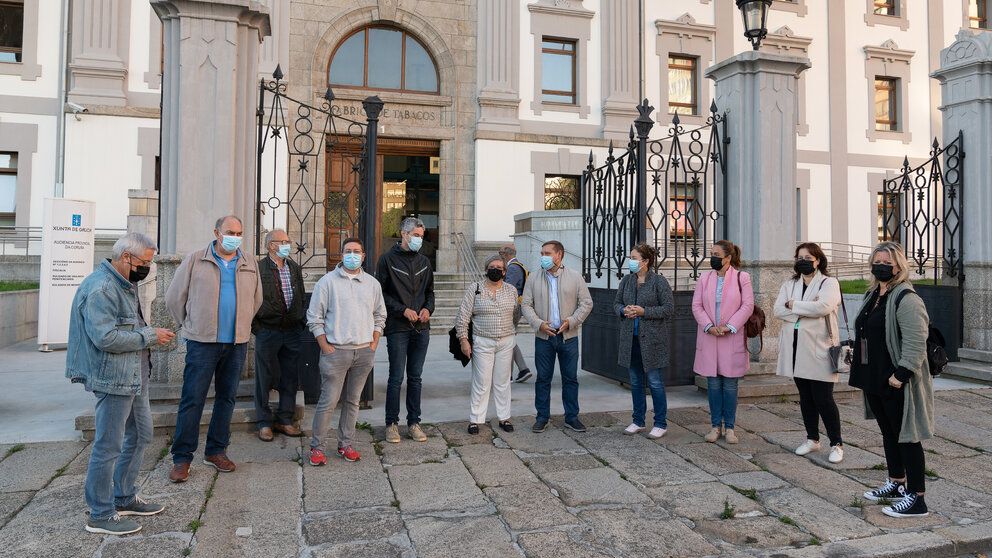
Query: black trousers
[[816, 401], [903, 460]]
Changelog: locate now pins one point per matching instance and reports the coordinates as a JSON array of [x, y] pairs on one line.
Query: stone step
[[772, 389], [164, 417], [969, 370], [163, 393], [975, 355]]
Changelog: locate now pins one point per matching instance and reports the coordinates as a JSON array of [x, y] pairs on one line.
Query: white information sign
[[66, 259]]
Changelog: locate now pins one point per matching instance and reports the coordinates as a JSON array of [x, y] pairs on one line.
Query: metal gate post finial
[[328, 95], [277, 75], [644, 122]]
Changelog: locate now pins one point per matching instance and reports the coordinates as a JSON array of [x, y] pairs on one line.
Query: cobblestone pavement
[[559, 493]]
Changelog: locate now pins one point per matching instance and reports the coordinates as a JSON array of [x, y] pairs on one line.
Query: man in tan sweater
[[555, 302]]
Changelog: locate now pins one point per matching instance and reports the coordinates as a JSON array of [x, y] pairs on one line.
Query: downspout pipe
[[63, 86]]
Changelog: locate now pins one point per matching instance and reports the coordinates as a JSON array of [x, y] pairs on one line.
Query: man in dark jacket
[[408, 289], [278, 328], [516, 275]]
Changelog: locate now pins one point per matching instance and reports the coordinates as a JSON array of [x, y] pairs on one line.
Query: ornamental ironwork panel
[[922, 210], [668, 192], [316, 175]]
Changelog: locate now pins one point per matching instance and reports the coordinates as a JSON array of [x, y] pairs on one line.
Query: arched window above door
[[383, 58]]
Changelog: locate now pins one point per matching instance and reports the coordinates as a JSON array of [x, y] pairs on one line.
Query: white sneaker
[[632, 429], [836, 454], [808, 446], [657, 433]]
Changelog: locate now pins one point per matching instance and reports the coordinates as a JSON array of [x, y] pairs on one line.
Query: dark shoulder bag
[[755, 324], [936, 354]]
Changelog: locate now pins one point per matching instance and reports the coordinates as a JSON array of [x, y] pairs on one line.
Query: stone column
[[621, 66], [142, 217], [965, 76], [499, 65], [100, 41], [756, 92]]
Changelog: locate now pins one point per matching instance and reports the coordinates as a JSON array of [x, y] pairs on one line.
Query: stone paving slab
[[758, 480], [799, 471], [644, 534], [639, 459], [960, 432], [409, 452], [755, 419], [713, 459], [924, 544], [702, 500], [492, 466], [591, 420], [341, 485], [32, 467], [555, 544], [550, 442], [675, 434], [528, 507], [52, 524], [341, 528], [752, 532], [872, 513], [960, 503], [974, 472], [594, 486], [854, 458], [247, 448], [437, 487], [974, 537], [456, 434], [378, 549], [472, 537], [171, 544], [11, 502], [149, 458], [689, 415], [964, 399], [816, 515], [553, 464], [262, 497]]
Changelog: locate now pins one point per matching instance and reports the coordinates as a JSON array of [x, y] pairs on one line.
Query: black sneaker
[[523, 376], [892, 490], [575, 425], [539, 426], [910, 506]]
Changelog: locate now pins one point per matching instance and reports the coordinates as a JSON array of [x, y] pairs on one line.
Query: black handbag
[[841, 353]]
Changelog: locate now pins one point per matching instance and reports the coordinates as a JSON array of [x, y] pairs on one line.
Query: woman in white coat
[[807, 305]]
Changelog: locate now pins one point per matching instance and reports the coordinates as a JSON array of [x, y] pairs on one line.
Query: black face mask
[[804, 267], [882, 272], [138, 274], [494, 274], [716, 262]]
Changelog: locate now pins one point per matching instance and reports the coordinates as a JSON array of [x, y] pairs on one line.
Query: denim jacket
[[105, 344]]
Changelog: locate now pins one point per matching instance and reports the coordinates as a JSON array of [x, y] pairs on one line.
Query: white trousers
[[492, 361]]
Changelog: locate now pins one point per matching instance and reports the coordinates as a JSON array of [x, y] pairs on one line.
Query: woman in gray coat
[[645, 304], [890, 367]]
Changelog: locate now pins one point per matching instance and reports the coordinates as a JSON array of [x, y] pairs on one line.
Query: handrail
[[21, 240], [467, 263]]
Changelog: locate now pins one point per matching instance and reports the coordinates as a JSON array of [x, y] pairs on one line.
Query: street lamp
[[755, 14]]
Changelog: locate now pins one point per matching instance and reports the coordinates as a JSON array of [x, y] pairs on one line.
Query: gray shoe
[[539, 426], [113, 526], [140, 507]]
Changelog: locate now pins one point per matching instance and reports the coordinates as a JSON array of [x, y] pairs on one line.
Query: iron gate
[[329, 191], [668, 192], [922, 210]]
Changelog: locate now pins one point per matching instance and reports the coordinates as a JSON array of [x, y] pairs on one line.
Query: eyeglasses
[[133, 257], [352, 251], [807, 258]]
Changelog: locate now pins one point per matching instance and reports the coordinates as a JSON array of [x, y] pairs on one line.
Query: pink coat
[[725, 355]]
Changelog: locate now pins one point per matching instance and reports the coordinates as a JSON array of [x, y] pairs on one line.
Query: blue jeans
[[722, 393], [545, 351], [221, 362], [406, 350], [657, 384], [123, 429], [276, 356]]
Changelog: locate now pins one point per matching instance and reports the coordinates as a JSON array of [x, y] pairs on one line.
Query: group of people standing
[[219, 297]]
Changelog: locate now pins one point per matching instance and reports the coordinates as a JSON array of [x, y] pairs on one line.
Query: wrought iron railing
[[923, 206], [468, 264], [669, 192]]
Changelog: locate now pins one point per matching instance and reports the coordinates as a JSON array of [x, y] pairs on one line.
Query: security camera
[[76, 109]]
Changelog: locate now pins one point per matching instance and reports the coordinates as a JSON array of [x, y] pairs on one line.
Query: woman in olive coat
[[645, 304]]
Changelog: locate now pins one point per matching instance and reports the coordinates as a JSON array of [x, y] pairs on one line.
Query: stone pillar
[[621, 66], [499, 65], [142, 217], [756, 91], [100, 41], [965, 76], [209, 92]]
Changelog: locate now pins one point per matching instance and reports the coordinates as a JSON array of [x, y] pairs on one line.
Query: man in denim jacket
[[108, 354]]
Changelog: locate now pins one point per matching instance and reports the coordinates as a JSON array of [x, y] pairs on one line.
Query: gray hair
[[270, 234], [220, 222], [494, 258], [411, 223], [508, 251], [132, 243]]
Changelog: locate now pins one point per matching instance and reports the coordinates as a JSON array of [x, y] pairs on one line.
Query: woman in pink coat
[[722, 304]]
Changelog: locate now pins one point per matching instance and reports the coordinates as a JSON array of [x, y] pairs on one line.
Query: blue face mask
[[283, 250], [547, 262], [352, 261], [231, 243], [634, 265], [415, 243]]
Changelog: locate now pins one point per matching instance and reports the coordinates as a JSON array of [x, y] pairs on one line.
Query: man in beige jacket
[[555, 302], [214, 295]]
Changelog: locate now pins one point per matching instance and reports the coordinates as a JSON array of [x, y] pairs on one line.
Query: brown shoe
[[219, 462], [179, 472], [287, 429], [265, 434]]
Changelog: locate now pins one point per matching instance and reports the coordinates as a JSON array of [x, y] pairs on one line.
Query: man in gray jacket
[[555, 302], [214, 295], [346, 315]]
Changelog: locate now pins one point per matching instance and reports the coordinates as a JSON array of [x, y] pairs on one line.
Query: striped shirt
[[285, 282], [491, 314]]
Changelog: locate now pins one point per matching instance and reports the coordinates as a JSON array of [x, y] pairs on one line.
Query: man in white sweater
[[346, 315]]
